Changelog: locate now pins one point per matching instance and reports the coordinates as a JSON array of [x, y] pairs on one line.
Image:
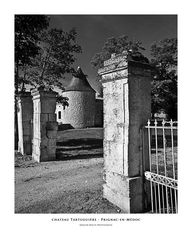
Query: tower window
[[59, 114]]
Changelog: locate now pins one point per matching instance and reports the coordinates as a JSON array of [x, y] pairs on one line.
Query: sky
[[94, 30]]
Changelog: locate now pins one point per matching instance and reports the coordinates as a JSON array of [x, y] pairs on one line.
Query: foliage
[[118, 45], [63, 100], [42, 56], [55, 58], [164, 63], [27, 29], [164, 84]]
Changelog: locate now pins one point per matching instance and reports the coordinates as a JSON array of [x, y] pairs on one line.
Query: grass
[[165, 159]]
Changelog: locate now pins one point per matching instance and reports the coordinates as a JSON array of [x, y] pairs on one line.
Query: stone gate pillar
[[25, 115], [127, 106], [44, 125]]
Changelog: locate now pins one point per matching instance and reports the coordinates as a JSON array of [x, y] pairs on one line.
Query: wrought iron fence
[[162, 173]]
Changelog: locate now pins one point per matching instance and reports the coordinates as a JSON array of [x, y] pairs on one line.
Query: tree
[[164, 84], [27, 29], [118, 45], [55, 58], [42, 56]]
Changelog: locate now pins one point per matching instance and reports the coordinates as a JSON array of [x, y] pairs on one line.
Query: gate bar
[[150, 164]]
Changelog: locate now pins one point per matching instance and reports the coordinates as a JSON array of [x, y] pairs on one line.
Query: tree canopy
[[42, 55], [55, 58], [27, 29], [118, 45], [164, 65], [164, 84]]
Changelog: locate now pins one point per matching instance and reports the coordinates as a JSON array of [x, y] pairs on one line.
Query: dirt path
[[73, 186]]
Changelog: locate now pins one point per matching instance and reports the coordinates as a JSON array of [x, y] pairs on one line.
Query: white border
[[33, 226]]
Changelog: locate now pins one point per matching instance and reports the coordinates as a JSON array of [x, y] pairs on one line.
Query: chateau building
[[85, 108]]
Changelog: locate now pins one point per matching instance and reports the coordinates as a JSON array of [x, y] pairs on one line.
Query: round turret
[[81, 110]]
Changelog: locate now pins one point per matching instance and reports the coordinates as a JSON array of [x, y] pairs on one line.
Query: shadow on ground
[[74, 186], [79, 149], [73, 202]]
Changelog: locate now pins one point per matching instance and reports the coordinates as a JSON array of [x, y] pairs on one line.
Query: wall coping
[[37, 93], [119, 62]]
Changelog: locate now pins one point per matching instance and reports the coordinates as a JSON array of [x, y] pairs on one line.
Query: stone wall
[[81, 110], [81, 116], [44, 125]]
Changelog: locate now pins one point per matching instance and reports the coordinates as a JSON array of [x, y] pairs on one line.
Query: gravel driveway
[[73, 186]]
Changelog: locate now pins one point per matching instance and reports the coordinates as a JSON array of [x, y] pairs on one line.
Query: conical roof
[[79, 82]]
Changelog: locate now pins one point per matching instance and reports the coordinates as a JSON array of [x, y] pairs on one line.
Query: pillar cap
[[121, 61], [43, 93]]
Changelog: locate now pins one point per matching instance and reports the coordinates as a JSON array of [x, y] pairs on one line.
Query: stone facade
[[82, 116], [44, 125], [25, 116], [127, 106]]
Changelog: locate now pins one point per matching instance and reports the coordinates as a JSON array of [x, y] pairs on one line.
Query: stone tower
[[81, 110]]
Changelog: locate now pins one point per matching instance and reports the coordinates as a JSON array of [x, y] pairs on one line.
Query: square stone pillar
[[44, 125], [25, 115], [127, 107]]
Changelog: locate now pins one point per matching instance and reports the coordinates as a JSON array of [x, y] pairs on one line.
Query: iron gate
[[161, 172]]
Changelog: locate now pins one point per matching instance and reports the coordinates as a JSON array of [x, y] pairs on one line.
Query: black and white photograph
[[95, 121], [96, 114]]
